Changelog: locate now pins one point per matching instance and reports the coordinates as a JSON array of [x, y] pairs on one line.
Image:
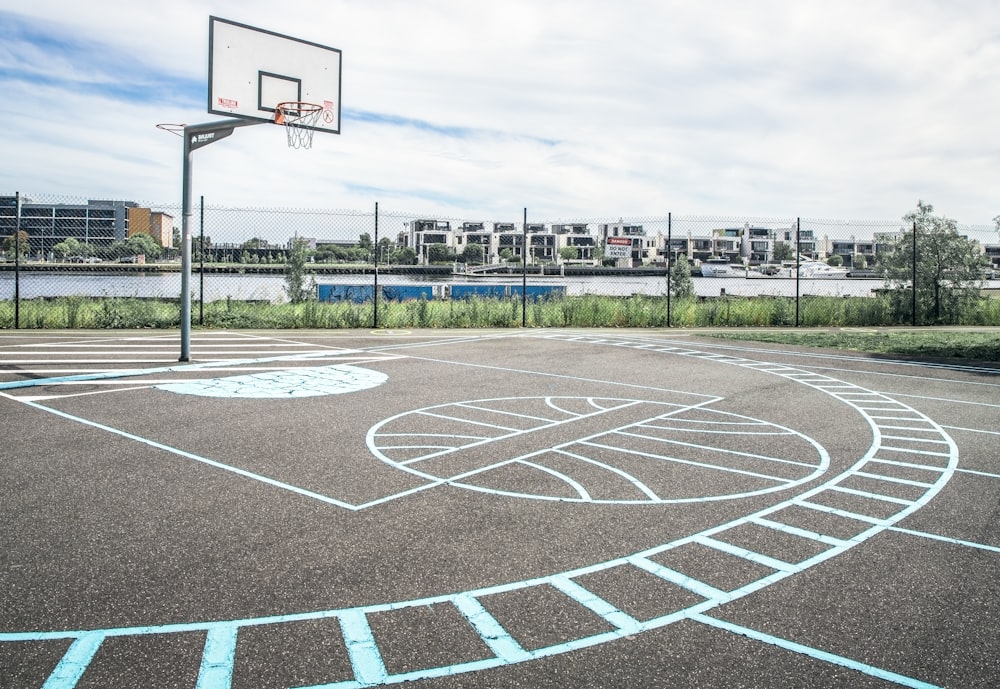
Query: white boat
[[817, 270], [717, 268]]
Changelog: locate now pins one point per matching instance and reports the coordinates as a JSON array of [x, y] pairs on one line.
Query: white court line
[[971, 430]]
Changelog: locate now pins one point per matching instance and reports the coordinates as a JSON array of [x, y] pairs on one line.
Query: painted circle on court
[[596, 449], [293, 382]]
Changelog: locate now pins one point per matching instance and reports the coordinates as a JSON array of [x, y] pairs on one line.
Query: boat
[[817, 270], [717, 268]]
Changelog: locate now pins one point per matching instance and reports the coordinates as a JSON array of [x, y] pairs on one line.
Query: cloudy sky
[[572, 108]]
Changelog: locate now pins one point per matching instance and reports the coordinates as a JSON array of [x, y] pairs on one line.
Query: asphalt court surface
[[545, 508]]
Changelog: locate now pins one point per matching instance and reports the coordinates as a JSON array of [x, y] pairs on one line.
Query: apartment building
[[97, 222]]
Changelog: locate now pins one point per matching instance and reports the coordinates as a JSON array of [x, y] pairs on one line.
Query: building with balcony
[[419, 235], [644, 248]]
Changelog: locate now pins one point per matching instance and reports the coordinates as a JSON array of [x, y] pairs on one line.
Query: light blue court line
[[430, 435], [893, 479], [74, 662], [907, 450], [190, 455], [801, 533], [572, 417], [298, 382], [978, 473], [217, 658], [932, 441], [709, 399], [950, 400], [503, 412], [362, 648], [704, 431], [600, 607], [639, 485], [360, 634], [875, 521], [810, 355], [972, 430], [946, 539], [687, 583], [873, 496], [511, 431], [824, 656], [690, 462], [910, 429], [724, 451], [746, 554], [575, 485], [179, 368], [499, 640], [909, 465]]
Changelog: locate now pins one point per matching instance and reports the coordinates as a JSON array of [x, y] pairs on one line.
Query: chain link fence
[[98, 263]]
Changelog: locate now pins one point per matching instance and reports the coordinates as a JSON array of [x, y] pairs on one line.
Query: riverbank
[[585, 311]]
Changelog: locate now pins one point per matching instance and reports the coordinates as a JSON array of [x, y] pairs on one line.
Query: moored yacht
[[717, 268]]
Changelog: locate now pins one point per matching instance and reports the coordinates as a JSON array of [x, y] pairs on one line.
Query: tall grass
[[583, 312]]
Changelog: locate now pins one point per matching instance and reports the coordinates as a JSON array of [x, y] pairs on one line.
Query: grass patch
[[858, 324], [931, 343]]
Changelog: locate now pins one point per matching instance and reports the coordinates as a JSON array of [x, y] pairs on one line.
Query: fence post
[[375, 289], [669, 228], [17, 260], [913, 280], [524, 270], [201, 263], [798, 257]]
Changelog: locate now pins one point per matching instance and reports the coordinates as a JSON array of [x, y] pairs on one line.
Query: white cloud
[[572, 109]]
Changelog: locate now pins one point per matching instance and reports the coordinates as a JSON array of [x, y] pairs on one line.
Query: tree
[[295, 272], [474, 253], [783, 252], [143, 243], [948, 267], [405, 257], [384, 253], [569, 253], [836, 260], [19, 242], [67, 247], [365, 241], [439, 253], [681, 284], [859, 261]]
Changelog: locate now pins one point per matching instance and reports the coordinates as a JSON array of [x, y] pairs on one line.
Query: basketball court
[[481, 509], [490, 509]]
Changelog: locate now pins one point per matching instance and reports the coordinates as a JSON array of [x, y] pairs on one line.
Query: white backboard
[[251, 70]]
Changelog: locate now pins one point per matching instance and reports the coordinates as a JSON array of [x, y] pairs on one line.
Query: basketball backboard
[[251, 71]]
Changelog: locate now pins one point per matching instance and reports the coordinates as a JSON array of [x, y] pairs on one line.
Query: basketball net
[[298, 118]]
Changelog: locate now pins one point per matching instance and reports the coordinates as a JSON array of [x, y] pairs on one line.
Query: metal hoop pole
[[195, 137]]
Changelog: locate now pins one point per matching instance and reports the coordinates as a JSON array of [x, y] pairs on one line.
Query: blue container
[[483, 291], [359, 294], [407, 292], [539, 292]]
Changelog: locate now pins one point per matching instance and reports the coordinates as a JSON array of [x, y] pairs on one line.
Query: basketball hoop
[[298, 119]]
